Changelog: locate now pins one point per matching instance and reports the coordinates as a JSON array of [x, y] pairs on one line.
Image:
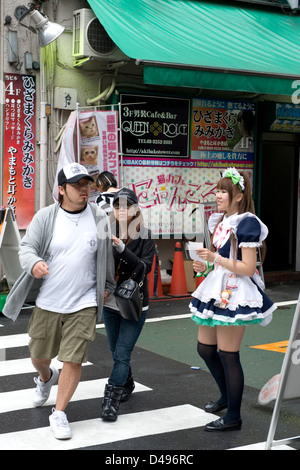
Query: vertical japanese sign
[[99, 143], [19, 146]]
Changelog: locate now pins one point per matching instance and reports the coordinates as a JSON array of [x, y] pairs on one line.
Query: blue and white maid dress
[[244, 302]]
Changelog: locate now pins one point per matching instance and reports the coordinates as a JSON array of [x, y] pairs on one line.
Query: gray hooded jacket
[[35, 245]]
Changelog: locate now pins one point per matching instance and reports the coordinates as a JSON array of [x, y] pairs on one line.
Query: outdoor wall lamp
[[293, 4], [46, 30]]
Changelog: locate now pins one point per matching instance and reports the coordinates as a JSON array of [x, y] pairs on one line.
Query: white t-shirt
[[71, 283]]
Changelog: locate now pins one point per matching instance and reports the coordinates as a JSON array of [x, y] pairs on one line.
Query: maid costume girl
[[224, 298]]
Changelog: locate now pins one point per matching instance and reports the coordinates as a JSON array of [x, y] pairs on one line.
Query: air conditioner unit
[[90, 39]]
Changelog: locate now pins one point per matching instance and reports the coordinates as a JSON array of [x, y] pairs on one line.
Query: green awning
[[213, 80], [206, 44]]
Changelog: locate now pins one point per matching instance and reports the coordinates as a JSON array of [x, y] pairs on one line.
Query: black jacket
[[137, 254]]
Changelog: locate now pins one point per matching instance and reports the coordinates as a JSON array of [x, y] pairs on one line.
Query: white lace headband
[[235, 177]]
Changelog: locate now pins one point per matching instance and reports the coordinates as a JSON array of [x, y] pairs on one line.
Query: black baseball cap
[[127, 195], [72, 173]]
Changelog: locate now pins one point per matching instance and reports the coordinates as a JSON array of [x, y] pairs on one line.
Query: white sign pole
[[289, 385]]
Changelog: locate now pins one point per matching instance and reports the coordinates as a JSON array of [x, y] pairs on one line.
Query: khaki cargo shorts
[[64, 335]]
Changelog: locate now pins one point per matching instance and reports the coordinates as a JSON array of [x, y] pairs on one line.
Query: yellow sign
[[280, 346]]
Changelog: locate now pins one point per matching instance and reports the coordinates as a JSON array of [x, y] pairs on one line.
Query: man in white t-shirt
[[62, 247]]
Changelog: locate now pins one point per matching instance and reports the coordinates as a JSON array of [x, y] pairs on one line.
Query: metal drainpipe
[[43, 142], [43, 154]]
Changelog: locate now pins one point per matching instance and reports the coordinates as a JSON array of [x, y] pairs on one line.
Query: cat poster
[[99, 143]]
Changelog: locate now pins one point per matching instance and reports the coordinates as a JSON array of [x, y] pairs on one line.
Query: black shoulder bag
[[129, 298]]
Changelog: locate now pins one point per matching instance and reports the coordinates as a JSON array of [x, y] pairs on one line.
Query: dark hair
[[107, 180], [60, 196], [248, 119], [133, 228]]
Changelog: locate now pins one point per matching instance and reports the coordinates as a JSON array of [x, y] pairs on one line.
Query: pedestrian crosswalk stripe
[[22, 399], [262, 446], [24, 366], [94, 432], [14, 341]]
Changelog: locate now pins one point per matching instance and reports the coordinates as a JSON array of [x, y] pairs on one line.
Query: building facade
[[173, 106]]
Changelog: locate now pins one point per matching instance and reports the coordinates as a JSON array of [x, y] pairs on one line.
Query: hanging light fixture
[[293, 4], [46, 30]]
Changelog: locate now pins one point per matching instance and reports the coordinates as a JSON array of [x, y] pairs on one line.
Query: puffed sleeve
[[249, 233], [213, 220]]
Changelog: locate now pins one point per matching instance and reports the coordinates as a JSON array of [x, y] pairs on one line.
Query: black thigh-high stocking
[[211, 357], [235, 384]]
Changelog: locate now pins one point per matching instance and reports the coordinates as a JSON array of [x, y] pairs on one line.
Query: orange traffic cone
[[199, 279], [154, 278], [178, 283]]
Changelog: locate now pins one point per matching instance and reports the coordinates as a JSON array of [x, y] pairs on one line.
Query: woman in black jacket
[[133, 252]]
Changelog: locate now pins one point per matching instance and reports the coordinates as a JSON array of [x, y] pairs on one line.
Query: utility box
[[65, 98]]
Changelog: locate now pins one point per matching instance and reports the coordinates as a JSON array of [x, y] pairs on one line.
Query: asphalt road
[[166, 412]]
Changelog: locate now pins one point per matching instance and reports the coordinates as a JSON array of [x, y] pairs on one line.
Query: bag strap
[[135, 273]]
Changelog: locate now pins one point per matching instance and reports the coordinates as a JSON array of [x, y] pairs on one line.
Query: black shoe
[[111, 402], [219, 425], [128, 388], [214, 407]]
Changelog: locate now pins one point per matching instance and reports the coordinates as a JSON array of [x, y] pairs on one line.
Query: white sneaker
[[42, 391], [59, 425]]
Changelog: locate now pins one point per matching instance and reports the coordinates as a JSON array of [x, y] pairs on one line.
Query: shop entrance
[[279, 197]]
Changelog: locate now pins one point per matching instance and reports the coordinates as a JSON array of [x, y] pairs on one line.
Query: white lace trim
[[209, 314], [254, 303], [249, 245], [234, 220]]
